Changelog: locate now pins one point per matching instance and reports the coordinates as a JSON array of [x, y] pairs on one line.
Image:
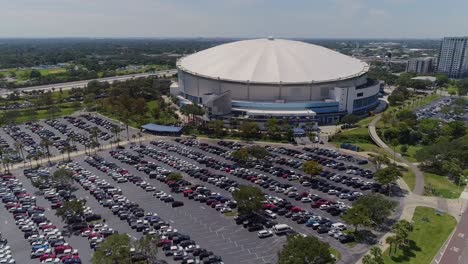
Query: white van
[[281, 229], [338, 226]]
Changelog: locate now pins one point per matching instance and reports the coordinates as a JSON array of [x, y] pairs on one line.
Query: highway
[[82, 84]]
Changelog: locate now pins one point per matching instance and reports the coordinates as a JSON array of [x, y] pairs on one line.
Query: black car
[[177, 204], [255, 227]]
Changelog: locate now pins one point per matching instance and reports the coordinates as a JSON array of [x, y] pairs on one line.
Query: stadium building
[[262, 78]]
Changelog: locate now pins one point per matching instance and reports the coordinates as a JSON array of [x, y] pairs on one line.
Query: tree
[[19, 148], [273, 129], [71, 208], [350, 119], [391, 240], [404, 149], [174, 176], [370, 210], [217, 127], [35, 75], [441, 79], [68, 148], [95, 133], [90, 100], [147, 245], [63, 177], [45, 144], [462, 87], [454, 129], [375, 256], [115, 249], [241, 154], [139, 137], [305, 250], [387, 176], [402, 230], [258, 152], [249, 130], [312, 168], [357, 216], [249, 199], [379, 160]]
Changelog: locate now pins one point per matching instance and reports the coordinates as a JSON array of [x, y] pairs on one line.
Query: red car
[[60, 249], [11, 205], [94, 234], [46, 256], [69, 256], [187, 192], [56, 205], [269, 206], [47, 226], [163, 242], [295, 209]]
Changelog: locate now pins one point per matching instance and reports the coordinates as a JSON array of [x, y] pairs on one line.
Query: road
[[456, 251], [82, 84]]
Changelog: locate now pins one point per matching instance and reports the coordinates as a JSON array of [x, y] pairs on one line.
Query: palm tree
[[116, 131], [45, 143], [19, 149], [68, 148], [391, 241], [6, 161], [95, 133], [139, 137]]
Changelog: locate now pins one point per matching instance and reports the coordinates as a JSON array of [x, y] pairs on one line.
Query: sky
[[234, 18]]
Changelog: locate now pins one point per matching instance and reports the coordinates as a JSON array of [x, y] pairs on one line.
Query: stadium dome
[[272, 61], [276, 77]]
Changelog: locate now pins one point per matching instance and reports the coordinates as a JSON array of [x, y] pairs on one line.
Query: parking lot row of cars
[[29, 144], [5, 251], [47, 241], [82, 124], [266, 182], [175, 244], [273, 205]]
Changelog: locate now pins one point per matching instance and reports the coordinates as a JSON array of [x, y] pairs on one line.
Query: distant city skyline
[[234, 18]]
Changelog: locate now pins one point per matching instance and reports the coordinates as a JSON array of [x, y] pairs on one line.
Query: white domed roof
[[272, 61]]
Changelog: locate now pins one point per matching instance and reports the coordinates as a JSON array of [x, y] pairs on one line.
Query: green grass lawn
[[452, 90], [430, 231], [410, 179], [335, 253], [442, 186], [410, 153]]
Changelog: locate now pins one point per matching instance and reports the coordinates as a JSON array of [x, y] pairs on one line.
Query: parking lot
[[436, 110], [129, 190]]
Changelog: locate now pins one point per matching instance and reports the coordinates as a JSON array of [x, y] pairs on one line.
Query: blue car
[[36, 247]]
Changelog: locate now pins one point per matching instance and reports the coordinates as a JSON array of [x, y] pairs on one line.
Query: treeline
[[17, 53], [134, 102], [443, 144]]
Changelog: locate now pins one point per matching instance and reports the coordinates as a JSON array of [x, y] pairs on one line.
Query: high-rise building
[[453, 57], [420, 65]]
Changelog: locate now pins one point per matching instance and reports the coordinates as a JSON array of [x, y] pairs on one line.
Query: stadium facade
[[262, 78]]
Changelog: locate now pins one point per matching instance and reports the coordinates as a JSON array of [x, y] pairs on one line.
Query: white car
[[150, 189], [265, 233], [270, 214], [7, 261], [225, 210], [40, 252]]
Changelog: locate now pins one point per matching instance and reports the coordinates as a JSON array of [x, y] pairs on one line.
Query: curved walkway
[[419, 186]]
